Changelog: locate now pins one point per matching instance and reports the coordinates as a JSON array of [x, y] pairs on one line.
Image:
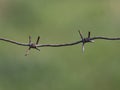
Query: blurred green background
[[64, 68]]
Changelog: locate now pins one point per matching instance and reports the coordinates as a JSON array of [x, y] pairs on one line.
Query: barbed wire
[[36, 45]]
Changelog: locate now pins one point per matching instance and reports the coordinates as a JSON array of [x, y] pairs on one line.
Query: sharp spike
[[83, 49], [27, 52], [38, 40], [88, 34], [80, 34], [37, 49], [29, 39]]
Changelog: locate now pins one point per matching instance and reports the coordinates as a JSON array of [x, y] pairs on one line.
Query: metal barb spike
[[29, 39], [83, 42], [88, 34], [27, 52], [92, 41], [37, 49], [38, 39], [80, 34], [83, 49]]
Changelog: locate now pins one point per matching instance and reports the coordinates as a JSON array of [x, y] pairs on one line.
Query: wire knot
[[32, 45], [85, 40]]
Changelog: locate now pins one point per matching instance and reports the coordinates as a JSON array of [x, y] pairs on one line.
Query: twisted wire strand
[[57, 45]]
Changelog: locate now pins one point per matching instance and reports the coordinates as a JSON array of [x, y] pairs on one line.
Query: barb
[[35, 45]]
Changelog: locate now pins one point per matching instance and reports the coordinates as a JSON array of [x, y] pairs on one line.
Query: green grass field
[[64, 68]]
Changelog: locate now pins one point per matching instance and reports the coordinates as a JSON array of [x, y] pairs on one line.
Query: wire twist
[[36, 45]]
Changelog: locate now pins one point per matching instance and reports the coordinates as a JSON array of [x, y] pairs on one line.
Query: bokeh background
[[64, 68]]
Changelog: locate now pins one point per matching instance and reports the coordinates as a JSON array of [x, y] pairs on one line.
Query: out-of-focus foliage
[[58, 21]]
